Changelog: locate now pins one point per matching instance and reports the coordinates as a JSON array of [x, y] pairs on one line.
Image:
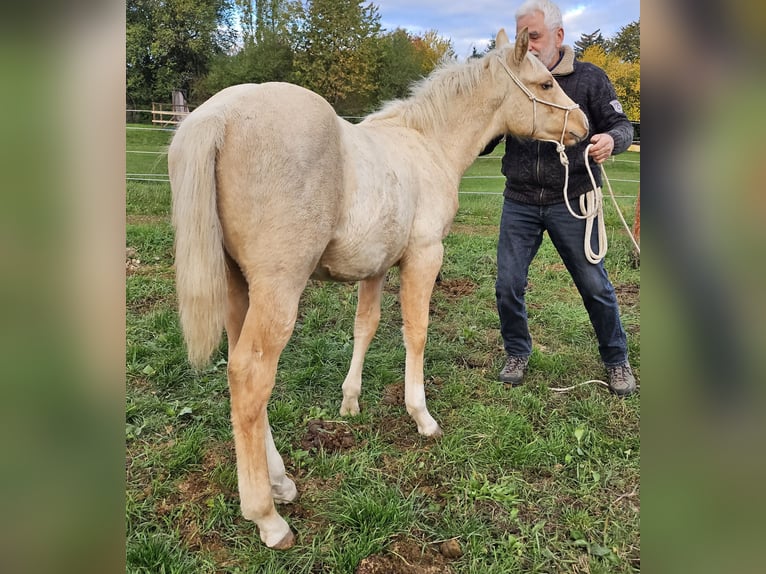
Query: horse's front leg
[[365, 326], [418, 273]]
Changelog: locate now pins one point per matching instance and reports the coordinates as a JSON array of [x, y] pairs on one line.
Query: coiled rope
[[592, 207]]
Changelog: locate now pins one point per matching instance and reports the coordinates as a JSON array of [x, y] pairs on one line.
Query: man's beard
[[547, 57]]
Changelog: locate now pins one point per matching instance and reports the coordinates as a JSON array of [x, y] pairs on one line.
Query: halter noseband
[[559, 144]]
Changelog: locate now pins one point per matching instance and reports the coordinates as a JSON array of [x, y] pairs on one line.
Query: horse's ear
[[522, 46], [501, 39]]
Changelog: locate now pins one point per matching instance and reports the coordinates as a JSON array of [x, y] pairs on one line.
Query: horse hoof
[[349, 409], [287, 542], [436, 433]]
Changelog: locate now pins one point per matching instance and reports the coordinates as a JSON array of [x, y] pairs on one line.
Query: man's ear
[[522, 46], [501, 39]]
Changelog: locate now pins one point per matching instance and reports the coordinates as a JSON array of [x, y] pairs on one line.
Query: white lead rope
[[592, 208]]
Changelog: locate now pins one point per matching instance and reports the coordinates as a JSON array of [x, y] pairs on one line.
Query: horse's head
[[534, 104]]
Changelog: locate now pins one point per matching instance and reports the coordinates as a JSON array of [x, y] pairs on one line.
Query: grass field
[[524, 479]]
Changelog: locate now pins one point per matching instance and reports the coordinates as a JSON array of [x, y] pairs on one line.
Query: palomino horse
[[271, 188]]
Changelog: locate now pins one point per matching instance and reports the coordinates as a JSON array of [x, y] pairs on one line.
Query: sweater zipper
[[537, 172]]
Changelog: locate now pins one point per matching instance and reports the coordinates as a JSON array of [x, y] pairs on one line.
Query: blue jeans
[[521, 233]]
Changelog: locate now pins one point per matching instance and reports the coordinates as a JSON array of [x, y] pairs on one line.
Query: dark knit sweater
[[532, 169]]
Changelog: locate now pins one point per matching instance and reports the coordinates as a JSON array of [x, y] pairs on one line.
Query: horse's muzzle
[[577, 137]]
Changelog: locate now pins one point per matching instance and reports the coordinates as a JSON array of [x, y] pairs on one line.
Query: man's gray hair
[[550, 11]]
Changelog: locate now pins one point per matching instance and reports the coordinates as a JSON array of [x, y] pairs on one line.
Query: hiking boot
[[621, 380], [513, 371]]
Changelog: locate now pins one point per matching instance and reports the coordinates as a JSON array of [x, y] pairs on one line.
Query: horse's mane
[[430, 97]]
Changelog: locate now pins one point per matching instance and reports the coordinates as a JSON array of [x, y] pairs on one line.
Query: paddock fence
[[166, 120]]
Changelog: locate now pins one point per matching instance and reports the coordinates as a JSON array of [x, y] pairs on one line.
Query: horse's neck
[[464, 133]]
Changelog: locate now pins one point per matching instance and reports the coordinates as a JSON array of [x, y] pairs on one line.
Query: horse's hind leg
[[418, 273], [365, 325], [265, 331], [282, 488]]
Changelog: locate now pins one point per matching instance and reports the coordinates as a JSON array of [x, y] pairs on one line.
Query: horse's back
[[277, 125]]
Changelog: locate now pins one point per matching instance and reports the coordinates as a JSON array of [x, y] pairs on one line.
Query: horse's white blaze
[[270, 188]]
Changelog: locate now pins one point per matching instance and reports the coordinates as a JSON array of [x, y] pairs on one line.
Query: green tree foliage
[[334, 47], [400, 65], [627, 43], [261, 19], [620, 58], [270, 60], [406, 58], [170, 43], [269, 38], [337, 55], [588, 40]]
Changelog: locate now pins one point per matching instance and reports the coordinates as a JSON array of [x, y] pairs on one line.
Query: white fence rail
[[496, 189]]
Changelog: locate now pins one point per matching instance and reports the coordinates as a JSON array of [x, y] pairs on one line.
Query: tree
[[434, 49], [475, 53], [401, 63], [489, 48], [627, 43], [588, 40], [269, 38], [337, 56], [625, 77], [260, 19], [170, 44], [270, 60]]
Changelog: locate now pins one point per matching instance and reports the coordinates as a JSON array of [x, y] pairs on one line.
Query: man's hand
[[602, 146]]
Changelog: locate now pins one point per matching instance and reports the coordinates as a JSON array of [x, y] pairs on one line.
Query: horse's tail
[[199, 253]]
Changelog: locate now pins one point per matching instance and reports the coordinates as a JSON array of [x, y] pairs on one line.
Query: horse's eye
[[547, 85]]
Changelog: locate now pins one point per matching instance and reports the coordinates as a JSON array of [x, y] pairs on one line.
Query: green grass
[[526, 479]]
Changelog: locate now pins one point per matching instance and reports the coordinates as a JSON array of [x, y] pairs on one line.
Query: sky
[[471, 23]]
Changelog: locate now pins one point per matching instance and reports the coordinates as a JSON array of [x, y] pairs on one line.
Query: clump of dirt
[[407, 557], [328, 435], [393, 394], [451, 548], [456, 288]]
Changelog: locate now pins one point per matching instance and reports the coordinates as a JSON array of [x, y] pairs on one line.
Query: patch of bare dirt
[[628, 294], [328, 435], [393, 394], [409, 557], [456, 288]]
